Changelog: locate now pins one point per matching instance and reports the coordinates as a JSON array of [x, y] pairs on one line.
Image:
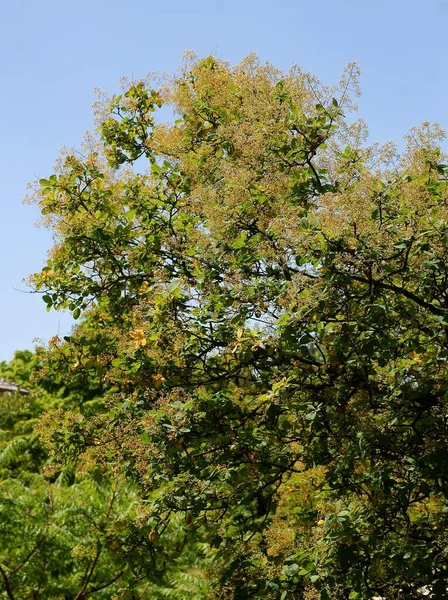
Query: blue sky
[[53, 54]]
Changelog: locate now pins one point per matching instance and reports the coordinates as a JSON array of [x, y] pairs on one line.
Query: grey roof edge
[[7, 386]]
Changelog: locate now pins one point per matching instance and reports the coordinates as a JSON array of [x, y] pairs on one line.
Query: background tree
[[269, 306], [74, 534]]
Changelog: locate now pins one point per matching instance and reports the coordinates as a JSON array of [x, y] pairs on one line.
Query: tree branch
[[435, 310], [8, 587]]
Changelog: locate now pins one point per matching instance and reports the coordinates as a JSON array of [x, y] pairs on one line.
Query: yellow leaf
[[157, 380], [415, 357], [138, 338], [153, 536]]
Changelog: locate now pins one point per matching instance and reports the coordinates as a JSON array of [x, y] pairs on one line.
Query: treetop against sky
[[51, 79]]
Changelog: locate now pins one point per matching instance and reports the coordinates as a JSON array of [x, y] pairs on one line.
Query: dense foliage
[[265, 318], [71, 535]]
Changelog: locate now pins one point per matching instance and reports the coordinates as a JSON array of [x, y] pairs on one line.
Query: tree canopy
[[264, 312]]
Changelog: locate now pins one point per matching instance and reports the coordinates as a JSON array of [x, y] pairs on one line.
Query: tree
[[71, 534], [266, 308]]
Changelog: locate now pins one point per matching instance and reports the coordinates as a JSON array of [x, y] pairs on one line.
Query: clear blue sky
[[54, 52]]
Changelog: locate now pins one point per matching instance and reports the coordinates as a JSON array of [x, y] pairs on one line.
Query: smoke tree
[[264, 304]]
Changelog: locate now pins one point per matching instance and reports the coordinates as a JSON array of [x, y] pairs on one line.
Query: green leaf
[[145, 437], [130, 214], [240, 242]]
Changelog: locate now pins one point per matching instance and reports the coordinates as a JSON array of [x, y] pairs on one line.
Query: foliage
[[66, 533], [266, 310], [21, 453], [56, 541]]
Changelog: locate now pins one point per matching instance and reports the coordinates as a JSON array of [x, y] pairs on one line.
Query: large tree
[[265, 308]]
